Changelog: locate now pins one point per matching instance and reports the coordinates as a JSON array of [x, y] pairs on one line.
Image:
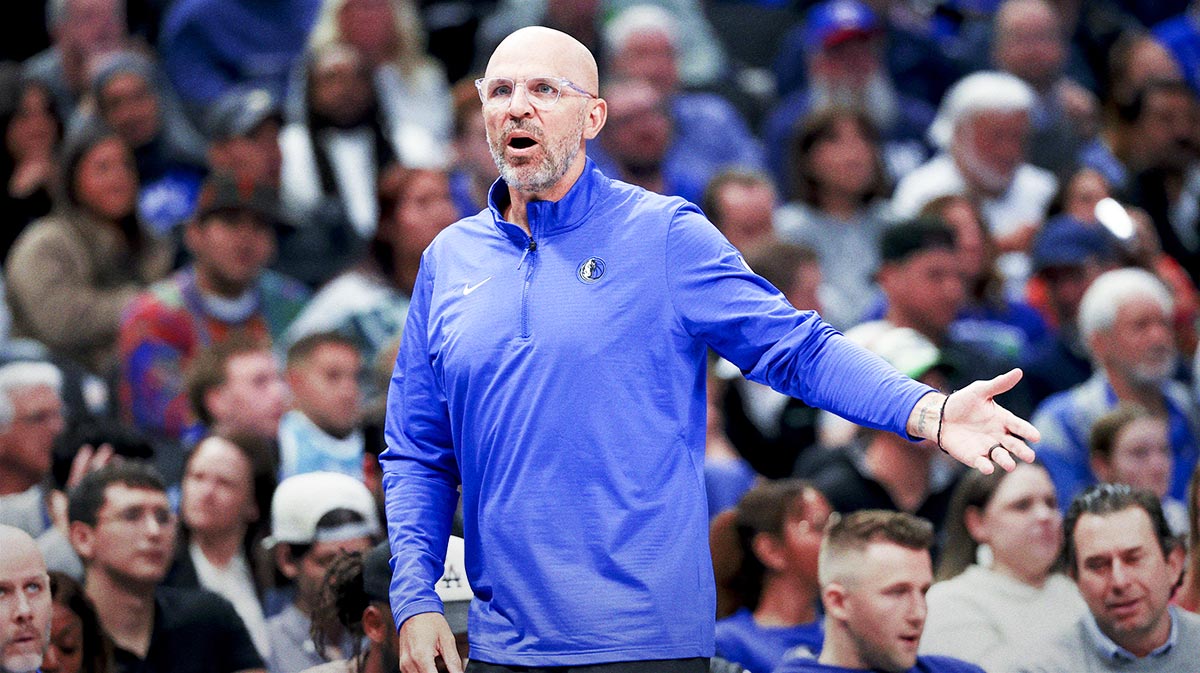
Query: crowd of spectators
[[213, 211]]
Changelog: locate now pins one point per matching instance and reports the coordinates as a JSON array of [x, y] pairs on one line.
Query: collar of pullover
[[547, 218]]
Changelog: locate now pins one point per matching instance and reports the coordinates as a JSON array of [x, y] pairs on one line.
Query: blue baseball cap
[[1066, 241], [833, 22]]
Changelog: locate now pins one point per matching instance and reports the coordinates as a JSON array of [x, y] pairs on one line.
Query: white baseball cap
[[301, 500]]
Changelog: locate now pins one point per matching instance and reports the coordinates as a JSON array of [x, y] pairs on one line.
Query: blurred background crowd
[[212, 213]]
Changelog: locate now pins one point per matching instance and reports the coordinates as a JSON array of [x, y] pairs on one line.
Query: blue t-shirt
[[759, 649], [927, 664]]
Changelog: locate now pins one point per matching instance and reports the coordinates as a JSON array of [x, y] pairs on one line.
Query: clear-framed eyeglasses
[[543, 92]]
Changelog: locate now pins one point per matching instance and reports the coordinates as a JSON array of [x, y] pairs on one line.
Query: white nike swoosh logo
[[468, 289]]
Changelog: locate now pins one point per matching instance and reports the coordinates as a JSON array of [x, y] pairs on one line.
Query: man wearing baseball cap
[[842, 42], [314, 517], [225, 289], [243, 127]]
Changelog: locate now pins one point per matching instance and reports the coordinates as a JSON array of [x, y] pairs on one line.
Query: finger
[[1000, 456], [984, 465], [1020, 450], [1015, 425], [103, 456], [450, 652], [79, 465]]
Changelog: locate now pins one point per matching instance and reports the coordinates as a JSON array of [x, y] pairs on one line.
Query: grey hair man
[[982, 129], [31, 419], [1124, 321], [25, 606]]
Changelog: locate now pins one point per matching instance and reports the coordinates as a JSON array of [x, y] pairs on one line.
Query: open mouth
[[521, 142]]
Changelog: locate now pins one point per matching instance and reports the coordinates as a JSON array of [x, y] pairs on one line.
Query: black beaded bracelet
[[941, 422]]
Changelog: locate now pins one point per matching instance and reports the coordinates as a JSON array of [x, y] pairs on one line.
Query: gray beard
[[878, 100], [555, 163]]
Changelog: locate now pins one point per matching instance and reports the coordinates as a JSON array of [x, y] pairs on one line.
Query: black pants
[[697, 665]]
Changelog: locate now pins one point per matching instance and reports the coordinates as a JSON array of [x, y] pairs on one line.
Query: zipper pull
[[532, 247]]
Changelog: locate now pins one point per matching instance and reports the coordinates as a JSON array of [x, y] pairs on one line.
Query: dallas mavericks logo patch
[[590, 270]]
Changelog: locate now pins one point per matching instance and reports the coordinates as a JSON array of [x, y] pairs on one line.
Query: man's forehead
[[537, 51], [19, 557], [1099, 534], [124, 495]]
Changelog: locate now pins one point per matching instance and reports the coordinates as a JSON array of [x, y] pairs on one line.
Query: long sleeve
[[52, 291], [719, 300], [420, 470]]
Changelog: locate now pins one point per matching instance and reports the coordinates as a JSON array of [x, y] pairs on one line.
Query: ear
[[1175, 561], [284, 561], [214, 401], [597, 115], [376, 624], [83, 539], [973, 519], [1101, 468], [768, 549], [834, 598]]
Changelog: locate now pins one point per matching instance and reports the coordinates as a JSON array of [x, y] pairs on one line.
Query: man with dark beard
[[553, 369], [1125, 322]]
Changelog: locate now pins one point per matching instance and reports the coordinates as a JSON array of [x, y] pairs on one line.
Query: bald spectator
[[25, 605], [1030, 43], [843, 47], [982, 131], [1124, 320], [81, 30]]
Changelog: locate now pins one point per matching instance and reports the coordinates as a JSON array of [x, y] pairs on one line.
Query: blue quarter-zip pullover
[[559, 377]]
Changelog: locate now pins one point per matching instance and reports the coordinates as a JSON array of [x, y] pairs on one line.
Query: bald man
[[553, 368], [25, 606]]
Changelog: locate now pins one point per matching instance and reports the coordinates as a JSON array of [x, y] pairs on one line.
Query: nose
[[24, 611], [519, 104], [1121, 576]]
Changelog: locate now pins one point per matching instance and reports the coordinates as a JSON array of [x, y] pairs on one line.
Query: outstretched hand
[[976, 430]]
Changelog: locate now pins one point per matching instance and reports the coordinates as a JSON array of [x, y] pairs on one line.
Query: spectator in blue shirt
[[779, 527]]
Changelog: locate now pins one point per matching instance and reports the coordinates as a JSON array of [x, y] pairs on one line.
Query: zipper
[[532, 247]]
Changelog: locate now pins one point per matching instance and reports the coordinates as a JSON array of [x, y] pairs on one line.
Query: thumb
[[449, 648], [1002, 383]]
